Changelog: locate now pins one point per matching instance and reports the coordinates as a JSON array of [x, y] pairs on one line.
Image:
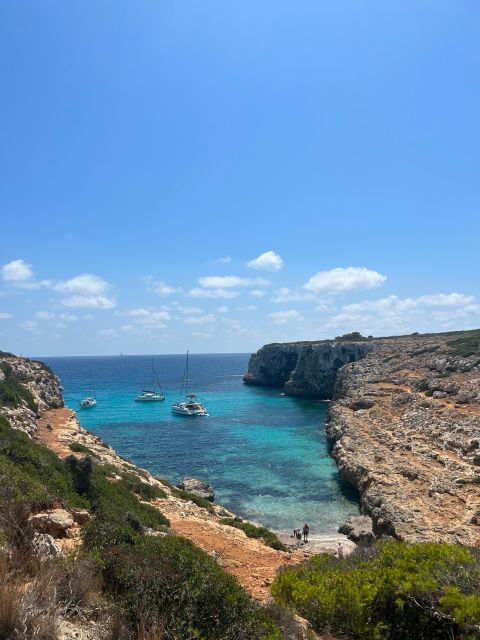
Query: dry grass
[[27, 605]]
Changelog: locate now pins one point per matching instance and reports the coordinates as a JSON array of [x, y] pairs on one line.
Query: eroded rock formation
[[304, 369], [404, 425]]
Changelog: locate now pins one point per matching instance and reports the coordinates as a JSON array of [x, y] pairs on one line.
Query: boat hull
[[156, 399], [88, 404], [184, 411]]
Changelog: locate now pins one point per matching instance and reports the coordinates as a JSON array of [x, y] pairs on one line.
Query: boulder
[[45, 546], [81, 516], [199, 488], [55, 522], [358, 529]]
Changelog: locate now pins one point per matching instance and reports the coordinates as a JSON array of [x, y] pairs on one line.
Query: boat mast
[[186, 381]]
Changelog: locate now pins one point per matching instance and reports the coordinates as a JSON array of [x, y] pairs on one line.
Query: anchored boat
[[91, 400], [154, 395], [190, 406]]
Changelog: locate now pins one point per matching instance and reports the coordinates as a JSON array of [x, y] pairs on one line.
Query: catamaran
[[91, 400], [189, 407], [155, 394]]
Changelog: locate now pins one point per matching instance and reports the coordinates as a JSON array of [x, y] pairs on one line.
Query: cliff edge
[[404, 423]]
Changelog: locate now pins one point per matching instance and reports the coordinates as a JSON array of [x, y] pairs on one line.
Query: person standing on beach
[[306, 531]]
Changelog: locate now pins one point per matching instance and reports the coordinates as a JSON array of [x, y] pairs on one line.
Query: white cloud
[[248, 307], [223, 309], [344, 279], [189, 311], [17, 271], [198, 292], [160, 287], [230, 282], [268, 261], [90, 302], [282, 317], [284, 294], [68, 317], [4, 315], [83, 284], [224, 260], [31, 326], [393, 315], [44, 315], [87, 290], [206, 319], [108, 333], [139, 312], [258, 293]]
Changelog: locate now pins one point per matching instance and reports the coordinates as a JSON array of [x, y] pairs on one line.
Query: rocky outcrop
[[404, 425], [358, 529], [55, 522], [304, 369], [27, 389], [199, 488]]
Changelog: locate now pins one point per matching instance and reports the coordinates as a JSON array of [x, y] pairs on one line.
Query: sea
[[265, 454]]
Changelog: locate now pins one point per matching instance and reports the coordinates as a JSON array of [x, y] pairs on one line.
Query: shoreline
[[254, 564]]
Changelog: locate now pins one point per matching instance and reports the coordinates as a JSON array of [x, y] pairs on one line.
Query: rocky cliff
[[27, 389], [304, 369], [404, 425]]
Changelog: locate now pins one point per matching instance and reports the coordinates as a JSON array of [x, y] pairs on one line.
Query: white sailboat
[[190, 406], [155, 394], [91, 400]]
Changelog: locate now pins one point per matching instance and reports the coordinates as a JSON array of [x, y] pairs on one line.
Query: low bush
[[466, 346], [34, 475], [184, 592], [252, 531], [78, 447], [143, 489], [402, 591]]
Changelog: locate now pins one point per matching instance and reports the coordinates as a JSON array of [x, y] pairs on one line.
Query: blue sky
[[148, 147]]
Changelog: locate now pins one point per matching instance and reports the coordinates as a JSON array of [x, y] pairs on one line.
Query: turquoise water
[[265, 454]]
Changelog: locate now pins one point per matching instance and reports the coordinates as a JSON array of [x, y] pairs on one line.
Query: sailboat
[[155, 394], [91, 400], [189, 407]]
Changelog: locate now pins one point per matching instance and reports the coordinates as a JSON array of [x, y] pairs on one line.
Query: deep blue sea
[[265, 454]]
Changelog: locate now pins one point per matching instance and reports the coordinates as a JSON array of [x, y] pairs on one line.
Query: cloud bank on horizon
[[327, 303]]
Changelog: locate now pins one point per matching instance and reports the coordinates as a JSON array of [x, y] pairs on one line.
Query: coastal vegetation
[[467, 345], [186, 495], [252, 531], [141, 582], [393, 591], [12, 392]]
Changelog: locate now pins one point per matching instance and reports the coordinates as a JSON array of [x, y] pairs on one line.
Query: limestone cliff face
[[27, 389], [304, 369], [404, 425]]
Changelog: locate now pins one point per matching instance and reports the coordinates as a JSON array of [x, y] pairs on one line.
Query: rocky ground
[[405, 428]]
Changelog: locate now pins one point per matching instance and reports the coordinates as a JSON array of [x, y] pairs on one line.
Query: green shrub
[[143, 489], [403, 591], [35, 475], [466, 346], [171, 584], [252, 531], [78, 447], [421, 385]]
